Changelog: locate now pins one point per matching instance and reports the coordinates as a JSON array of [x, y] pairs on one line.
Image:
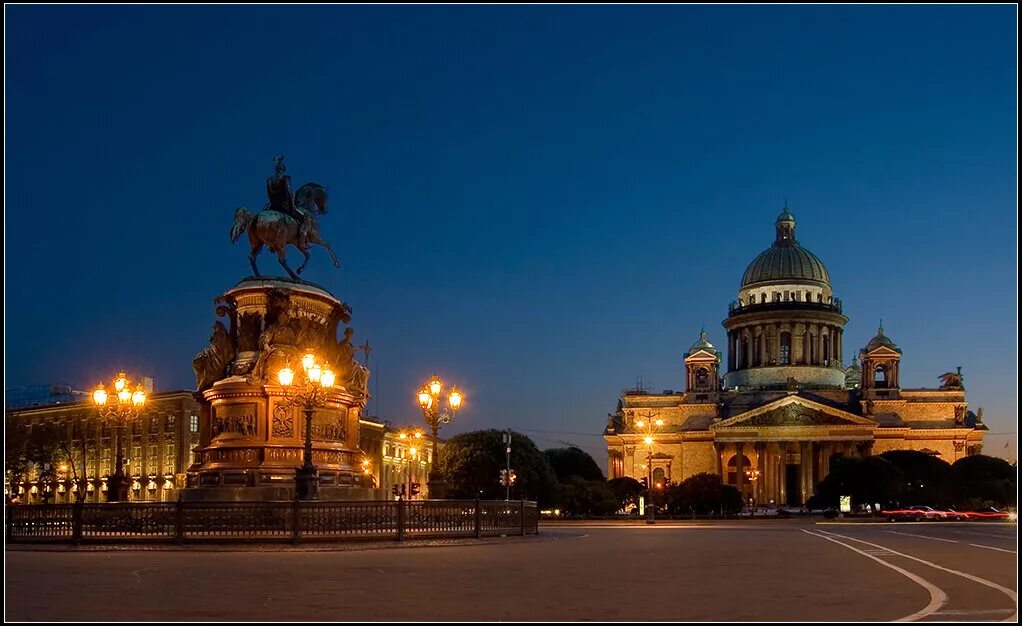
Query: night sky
[[539, 203]]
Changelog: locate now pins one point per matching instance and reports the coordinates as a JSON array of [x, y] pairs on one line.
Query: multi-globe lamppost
[[647, 425], [309, 392], [429, 401], [125, 407], [412, 436]]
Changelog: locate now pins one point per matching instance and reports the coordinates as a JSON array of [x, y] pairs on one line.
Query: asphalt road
[[771, 571]]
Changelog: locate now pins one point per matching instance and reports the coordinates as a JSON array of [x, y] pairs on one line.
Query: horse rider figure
[[282, 199]]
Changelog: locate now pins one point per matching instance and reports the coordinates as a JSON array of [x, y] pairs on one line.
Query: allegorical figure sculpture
[[952, 380], [210, 365], [287, 219]]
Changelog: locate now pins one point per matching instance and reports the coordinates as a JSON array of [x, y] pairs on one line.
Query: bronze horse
[[277, 230]]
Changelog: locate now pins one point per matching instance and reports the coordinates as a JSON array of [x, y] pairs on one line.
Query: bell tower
[[881, 360], [701, 363]]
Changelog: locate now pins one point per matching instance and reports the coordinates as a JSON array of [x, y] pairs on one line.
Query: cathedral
[[786, 405]]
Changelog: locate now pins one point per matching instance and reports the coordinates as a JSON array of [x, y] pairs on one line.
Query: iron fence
[[267, 521]]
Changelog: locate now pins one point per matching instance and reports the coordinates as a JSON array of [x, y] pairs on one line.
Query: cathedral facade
[[786, 405]]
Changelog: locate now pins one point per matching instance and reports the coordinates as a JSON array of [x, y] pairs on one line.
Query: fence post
[[400, 518], [296, 522], [479, 520], [9, 509], [179, 520], [76, 523], [523, 516]]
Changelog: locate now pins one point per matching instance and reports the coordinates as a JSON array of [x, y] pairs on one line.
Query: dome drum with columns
[[786, 406], [786, 324]]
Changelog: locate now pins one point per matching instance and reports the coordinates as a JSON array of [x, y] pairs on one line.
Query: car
[[914, 514], [956, 516], [991, 513]]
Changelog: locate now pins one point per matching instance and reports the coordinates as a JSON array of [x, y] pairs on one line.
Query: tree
[[927, 479], [470, 465], [578, 496], [980, 479], [572, 461], [626, 490], [703, 493], [868, 481], [28, 450]]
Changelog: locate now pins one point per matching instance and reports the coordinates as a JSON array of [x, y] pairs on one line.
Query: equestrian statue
[[287, 219]]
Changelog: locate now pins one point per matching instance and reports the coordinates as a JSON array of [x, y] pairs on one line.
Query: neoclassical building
[[786, 404]]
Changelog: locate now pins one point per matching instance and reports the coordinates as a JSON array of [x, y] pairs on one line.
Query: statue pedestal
[[251, 438]]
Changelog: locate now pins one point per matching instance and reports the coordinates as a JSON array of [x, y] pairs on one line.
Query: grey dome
[[786, 261]]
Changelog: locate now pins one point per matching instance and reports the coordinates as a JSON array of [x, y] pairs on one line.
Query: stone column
[[718, 451], [761, 480], [806, 461], [739, 468], [782, 474]]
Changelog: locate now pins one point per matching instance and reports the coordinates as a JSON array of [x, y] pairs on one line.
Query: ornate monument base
[[251, 436]]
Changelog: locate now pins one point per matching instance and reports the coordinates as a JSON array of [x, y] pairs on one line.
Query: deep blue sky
[[540, 203]]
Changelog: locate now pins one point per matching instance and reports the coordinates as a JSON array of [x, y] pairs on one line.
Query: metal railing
[[316, 520]]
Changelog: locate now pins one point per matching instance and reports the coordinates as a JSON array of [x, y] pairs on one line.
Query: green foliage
[[470, 465], [926, 479], [568, 462], [868, 481], [28, 449], [626, 490], [702, 494], [579, 497], [981, 480]]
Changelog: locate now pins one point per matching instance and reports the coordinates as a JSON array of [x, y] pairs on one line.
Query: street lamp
[[125, 406], [429, 401], [308, 390], [752, 476], [646, 426], [412, 437]]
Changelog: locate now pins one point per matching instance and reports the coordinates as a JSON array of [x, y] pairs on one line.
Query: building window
[[193, 423], [170, 423], [785, 348], [659, 478]]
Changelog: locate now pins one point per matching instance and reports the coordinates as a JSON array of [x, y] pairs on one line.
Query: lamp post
[[647, 425], [434, 415], [752, 476], [309, 392], [412, 436], [126, 406]]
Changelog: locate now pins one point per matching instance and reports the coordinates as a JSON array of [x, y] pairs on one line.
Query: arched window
[[812, 349], [880, 377], [659, 478], [785, 348], [732, 468], [826, 350], [743, 355], [702, 378], [762, 298]]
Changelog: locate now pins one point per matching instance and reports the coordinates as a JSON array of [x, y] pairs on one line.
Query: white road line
[[894, 532], [976, 612], [937, 596], [1008, 592], [976, 545]]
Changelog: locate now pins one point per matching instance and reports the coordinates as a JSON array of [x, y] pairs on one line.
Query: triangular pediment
[[702, 355], [883, 352], [793, 411]]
